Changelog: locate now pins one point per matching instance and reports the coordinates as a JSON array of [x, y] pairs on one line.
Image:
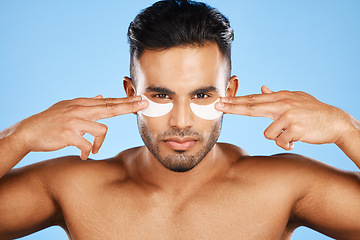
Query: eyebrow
[[205, 90], [168, 91], [159, 90]]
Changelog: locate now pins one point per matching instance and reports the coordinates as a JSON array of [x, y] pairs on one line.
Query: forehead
[[181, 68]]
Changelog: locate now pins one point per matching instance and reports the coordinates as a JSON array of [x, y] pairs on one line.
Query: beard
[[180, 161]]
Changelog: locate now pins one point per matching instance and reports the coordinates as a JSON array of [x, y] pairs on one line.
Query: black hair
[[172, 23]]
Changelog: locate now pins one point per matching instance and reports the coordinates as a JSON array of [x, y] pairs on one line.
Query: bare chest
[[213, 213]]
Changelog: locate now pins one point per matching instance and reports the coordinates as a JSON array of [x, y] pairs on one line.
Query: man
[[181, 184]]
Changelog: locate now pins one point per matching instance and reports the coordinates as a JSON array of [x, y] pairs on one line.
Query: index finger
[[258, 98], [103, 101], [111, 108], [251, 109]]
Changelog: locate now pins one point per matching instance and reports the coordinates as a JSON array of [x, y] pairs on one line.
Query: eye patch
[[207, 112], [156, 109]]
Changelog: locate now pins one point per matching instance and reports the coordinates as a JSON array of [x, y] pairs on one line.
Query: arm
[[349, 143], [26, 200], [329, 200]]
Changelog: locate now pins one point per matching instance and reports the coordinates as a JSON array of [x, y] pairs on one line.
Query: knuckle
[[287, 103], [67, 133], [60, 104], [72, 121], [272, 116], [63, 102], [288, 116], [302, 93], [251, 105], [79, 100], [75, 108], [295, 128], [84, 145], [87, 146], [109, 103], [104, 128], [284, 94], [135, 104]]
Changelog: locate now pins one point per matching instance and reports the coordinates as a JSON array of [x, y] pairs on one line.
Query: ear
[[129, 87], [232, 86]]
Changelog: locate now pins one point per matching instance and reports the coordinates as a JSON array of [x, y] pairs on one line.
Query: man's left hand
[[297, 116]]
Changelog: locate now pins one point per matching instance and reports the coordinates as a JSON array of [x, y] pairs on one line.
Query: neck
[[154, 173]]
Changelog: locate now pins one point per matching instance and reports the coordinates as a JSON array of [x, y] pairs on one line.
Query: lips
[[180, 144]]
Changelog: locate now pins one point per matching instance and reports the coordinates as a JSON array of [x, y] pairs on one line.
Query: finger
[[269, 110], [98, 141], [285, 140], [95, 113], [84, 146], [273, 131], [100, 100], [97, 130], [100, 137], [260, 98], [265, 89]]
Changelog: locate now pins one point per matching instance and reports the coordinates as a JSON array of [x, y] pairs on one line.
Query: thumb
[[265, 89]]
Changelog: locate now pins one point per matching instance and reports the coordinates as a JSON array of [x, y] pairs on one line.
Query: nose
[[181, 116]]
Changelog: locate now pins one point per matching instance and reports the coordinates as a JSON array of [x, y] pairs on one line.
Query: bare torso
[[106, 200]]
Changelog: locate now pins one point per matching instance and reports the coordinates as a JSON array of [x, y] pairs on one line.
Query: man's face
[[181, 75]]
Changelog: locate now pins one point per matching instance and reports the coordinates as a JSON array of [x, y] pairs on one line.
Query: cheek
[[153, 125], [208, 128]]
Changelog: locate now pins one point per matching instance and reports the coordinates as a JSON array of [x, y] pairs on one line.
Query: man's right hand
[[65, 123]]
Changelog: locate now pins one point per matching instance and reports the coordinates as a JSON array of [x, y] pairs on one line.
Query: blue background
[[55, 50]]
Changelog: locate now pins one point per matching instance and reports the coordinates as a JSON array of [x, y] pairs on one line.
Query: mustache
[[180, 133]]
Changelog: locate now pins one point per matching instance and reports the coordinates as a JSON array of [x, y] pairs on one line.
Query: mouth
[[180, 144]]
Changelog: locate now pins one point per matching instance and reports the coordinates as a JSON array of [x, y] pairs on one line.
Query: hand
[[297, 116], [65, 123]]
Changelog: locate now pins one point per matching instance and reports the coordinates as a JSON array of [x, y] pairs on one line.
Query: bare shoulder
[[297, 173], [287, 164], [61, 174]]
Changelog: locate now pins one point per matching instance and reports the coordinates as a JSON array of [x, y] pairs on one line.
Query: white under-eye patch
[[156, 109], [207, 112]]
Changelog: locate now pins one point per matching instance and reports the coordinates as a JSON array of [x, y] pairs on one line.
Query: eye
[[202, 95], [161, 95]]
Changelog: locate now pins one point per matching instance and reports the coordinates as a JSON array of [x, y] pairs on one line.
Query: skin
[[227, 195]]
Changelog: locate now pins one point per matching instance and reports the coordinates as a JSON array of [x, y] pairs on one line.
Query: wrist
[[349, 133], [13, 136]]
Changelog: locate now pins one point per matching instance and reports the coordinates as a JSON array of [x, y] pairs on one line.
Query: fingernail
[[220, 104], [141, 102], [137, 98], [224, 100]]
